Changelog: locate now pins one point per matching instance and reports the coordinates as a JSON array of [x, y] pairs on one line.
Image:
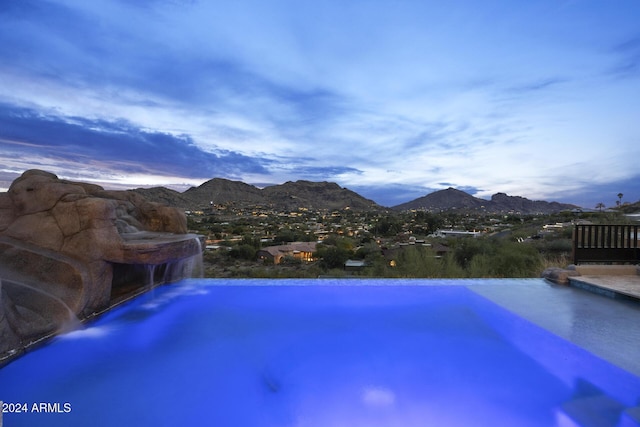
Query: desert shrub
[[514, 260], [451, 269], [243, 251], [333, 257], [480, 266], [251, 241], [496, 258], [465, 249], [339, 242], [555, 246], [290, 260], [417, 262], [367, 251]]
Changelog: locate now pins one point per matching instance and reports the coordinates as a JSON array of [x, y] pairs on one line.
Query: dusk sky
[[392, 99]]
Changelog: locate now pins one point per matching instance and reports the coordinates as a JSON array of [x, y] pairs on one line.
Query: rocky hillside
[[444, 200], [502, 203], [164, 195], [223, 191], [287, 196], [326, 195], [451, 198]]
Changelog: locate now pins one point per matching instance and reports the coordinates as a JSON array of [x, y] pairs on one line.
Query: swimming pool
[[326, 353]]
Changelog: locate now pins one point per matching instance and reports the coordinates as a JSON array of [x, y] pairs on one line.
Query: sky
[[393, 99]]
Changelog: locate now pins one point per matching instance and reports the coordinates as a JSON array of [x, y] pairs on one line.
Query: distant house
[[457, 233], [354, 265], [298, 250]]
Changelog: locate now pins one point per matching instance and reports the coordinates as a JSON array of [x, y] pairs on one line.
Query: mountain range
[[330, 196], [287, 196], [451, 198]]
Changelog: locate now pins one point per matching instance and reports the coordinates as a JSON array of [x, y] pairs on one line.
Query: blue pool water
[[320, 354]]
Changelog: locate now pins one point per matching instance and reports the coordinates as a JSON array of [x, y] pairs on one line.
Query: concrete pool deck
[[615, 281], [612, 286]]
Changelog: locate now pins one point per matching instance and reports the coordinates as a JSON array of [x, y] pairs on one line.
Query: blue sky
[[390, 98]]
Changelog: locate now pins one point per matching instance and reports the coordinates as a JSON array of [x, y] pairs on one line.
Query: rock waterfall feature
[[69, 250]]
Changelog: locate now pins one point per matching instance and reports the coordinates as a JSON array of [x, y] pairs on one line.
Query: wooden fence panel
[[605, 243]]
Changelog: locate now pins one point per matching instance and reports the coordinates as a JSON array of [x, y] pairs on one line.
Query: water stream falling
[[35, 313], [175, 269]]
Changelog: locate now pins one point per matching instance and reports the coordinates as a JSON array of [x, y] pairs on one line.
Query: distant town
[[264, 242]]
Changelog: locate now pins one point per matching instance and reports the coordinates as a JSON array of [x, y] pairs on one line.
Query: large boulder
[[559, 275], [60, 242]]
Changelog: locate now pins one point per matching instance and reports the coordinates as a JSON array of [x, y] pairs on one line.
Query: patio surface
[[626, 286]]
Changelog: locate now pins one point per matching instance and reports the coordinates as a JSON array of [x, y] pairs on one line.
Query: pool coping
[[623, 286]]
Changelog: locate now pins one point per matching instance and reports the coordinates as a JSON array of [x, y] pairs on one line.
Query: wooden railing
[[606, 244]]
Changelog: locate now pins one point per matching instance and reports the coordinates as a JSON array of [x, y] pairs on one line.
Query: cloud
[[378, 397], [89, 46], [537, 85], [320, 173], [628, 54], [118, 144], [587, 193]]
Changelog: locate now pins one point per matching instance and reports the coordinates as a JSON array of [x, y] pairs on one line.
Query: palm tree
[[599, 206], [619, 202]]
